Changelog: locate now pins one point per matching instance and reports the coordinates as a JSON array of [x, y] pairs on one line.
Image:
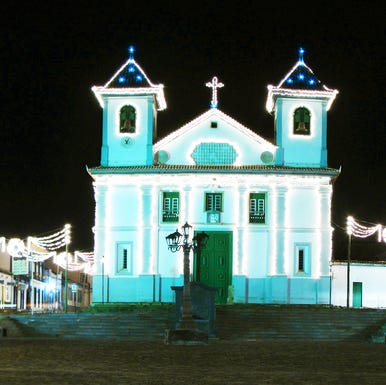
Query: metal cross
[[214, 84]]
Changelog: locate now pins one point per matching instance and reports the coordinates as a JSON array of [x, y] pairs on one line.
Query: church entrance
[[213, 265]]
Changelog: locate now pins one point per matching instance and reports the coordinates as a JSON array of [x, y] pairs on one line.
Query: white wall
[[373, 278]]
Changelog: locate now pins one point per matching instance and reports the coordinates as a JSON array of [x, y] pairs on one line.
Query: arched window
[[127, 118], [302, 118]]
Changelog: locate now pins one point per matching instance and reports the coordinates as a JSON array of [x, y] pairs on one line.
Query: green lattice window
[[214, 153]]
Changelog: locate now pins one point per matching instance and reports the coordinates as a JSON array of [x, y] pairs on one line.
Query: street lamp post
[[103, 279], [349, 233], [67, 241], [177, 241]]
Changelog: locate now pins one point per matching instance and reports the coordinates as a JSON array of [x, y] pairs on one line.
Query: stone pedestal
[[185, 337], [203, 307]]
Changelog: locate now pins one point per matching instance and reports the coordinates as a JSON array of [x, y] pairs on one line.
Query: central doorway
[[213, 265]]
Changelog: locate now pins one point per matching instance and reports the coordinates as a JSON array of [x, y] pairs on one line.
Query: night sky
[[50, 121]]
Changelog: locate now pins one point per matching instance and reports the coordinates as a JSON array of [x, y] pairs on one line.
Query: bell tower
[[130, 102], [300, 103]]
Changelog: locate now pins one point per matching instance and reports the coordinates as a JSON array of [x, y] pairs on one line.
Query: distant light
[[301, 52], [131, 52]]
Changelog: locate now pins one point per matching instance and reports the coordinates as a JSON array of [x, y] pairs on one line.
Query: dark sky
[[50, 122]]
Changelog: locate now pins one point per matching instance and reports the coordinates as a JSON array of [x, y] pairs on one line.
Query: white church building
[[265, 206]]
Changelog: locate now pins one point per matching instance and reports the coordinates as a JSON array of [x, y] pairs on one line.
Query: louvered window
[[170, 207], [124, 258], [257, 208], [213, 202]]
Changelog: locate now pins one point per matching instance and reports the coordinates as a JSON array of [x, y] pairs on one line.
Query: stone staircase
[[233, 322], [12, 328], [298, 322], [133, 326]]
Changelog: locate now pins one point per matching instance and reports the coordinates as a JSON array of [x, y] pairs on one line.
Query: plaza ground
[[36, 361]]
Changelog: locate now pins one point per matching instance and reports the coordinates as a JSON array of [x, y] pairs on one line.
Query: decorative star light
[[214, 84], [131, 50], [301, 52]]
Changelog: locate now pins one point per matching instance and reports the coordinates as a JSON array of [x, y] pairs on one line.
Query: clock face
[[126, 141]]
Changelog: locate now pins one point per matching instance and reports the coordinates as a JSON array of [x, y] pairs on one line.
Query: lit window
[[170, 207], [257, 207], [127, 117], [302, 120]]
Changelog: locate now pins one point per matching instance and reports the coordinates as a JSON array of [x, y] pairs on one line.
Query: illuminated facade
[[266, 207]]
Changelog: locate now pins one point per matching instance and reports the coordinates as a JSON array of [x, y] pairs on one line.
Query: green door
[[357, 294], [213, 265]]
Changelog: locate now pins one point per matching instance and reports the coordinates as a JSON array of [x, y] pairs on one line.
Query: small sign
[[74, 288], [19, 266]]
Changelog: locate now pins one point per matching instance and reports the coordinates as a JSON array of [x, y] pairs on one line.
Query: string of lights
[[54, 241], [360, 231], [70, 262]]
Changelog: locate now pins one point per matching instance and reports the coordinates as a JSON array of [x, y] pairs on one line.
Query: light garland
[[70, 262], [3, 244], [87, 257], [357, 230], [54, 241]]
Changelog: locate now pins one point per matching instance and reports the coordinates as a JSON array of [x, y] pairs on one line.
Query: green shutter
[[257, 207], [213, 202], [170, 206]]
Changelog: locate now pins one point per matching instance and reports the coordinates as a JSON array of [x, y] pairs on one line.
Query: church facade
[[266, 207]]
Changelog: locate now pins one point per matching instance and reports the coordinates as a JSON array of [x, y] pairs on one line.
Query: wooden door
[[213, 265], [357, 294]]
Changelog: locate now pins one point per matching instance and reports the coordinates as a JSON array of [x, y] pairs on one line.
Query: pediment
[[214, 138]]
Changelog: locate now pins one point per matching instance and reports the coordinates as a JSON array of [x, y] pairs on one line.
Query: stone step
[[232, 322]]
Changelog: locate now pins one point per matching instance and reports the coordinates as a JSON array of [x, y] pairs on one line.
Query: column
[[280, 229], [325, 230], [147, 237]]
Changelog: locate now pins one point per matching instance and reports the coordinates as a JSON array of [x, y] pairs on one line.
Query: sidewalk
[[110, 362]]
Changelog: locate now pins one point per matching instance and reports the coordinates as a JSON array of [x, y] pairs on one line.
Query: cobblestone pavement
[[97, 362]]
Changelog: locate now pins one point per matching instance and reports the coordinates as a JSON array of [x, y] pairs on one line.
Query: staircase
[[233, 322], [133, 326], [252, 322], [12, 328]]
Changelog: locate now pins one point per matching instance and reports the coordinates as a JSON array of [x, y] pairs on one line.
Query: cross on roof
[[214, 84]]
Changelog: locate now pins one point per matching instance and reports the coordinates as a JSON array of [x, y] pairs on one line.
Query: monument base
[[185, 337]]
